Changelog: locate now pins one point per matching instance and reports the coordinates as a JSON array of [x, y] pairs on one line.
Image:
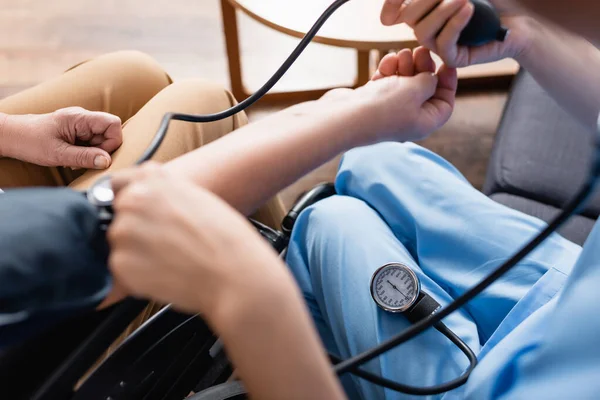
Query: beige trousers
[[134, 87]]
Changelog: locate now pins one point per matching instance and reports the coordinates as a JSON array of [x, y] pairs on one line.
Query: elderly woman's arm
[[178, 243], [252, 164]]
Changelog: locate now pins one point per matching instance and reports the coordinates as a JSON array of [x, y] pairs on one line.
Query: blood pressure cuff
[[53, 260]]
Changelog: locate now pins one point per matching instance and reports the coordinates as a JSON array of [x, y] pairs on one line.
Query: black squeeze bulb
[[484, 26]]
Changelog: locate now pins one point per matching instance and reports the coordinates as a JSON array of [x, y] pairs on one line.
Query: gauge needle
[[398, 290]]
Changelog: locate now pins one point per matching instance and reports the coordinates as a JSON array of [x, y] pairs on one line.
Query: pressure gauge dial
[[395, 287], [101, 193], [101, 196]]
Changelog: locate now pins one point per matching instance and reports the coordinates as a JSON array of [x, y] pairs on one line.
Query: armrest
[[541, 152], [315, 195]]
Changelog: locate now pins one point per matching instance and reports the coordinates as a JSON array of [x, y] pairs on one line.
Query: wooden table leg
[[379, 54], [364, 67], [232, 41]]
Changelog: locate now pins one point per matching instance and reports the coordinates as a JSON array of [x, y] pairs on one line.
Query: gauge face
[[395, 287], [101, 193]]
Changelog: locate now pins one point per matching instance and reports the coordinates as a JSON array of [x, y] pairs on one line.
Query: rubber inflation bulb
[[484, 26]]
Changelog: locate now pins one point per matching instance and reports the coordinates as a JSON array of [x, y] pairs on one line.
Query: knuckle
[[56, 153], [82, 158], [151, 167], [131, 198], [70, 115], [421, 33], [106, 118], [72, 111], [450, 5], [115, 119], [431, 45], [443, 50]]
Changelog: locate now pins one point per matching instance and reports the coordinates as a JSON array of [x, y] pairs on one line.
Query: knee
[[199, 96], [322, 226], [368, 159], [334, 217], [406, 164], [370, 165], [136, 70]]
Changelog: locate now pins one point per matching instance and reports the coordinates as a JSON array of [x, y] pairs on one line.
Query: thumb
[[85, 157], [424, 86]]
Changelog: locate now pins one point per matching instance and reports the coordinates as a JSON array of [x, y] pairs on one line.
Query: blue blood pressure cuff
[[53, 259]]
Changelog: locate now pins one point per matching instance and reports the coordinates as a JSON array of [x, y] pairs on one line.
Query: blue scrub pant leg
[[564, 363], [402, 203]]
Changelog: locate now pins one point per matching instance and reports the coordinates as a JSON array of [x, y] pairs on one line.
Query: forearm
[[13, 129], [252, 164], [566, 66], [19, 135], [4, 135], [273, 345]]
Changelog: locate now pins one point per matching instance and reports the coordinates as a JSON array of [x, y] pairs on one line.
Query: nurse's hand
[[174, 242], [177, 243], [438, 23]]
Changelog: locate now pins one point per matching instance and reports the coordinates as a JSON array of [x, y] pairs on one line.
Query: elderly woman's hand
[[70, 137]]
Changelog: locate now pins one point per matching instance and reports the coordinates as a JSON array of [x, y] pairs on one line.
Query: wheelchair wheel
[[225, 391]]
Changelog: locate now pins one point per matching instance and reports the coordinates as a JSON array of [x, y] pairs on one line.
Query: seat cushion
[[541, 152], [576, 229]]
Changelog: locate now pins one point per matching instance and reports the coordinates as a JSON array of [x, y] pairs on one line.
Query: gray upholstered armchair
[[540, 158]]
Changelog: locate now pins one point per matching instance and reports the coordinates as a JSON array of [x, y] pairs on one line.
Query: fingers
[[405, 64], [130, 238], [387, 67], [448, 37], [437, 110], [113, 137], [425, 85], [393, 64], [124, 178], [429, 27], [84, 157], [99, 129], [417, 10], [391, 11], [423, 60], [106, 126], [97, 140], [447, 85]]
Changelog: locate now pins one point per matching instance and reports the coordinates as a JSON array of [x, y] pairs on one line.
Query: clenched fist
[[70, 137]]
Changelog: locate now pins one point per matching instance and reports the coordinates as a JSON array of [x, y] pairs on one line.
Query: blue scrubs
[[536, 331]]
